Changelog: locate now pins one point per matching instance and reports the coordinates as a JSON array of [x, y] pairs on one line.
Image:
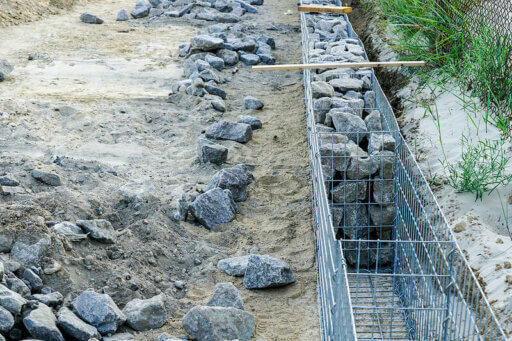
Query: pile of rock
[[222, 11], [222, 318], [357, 156]]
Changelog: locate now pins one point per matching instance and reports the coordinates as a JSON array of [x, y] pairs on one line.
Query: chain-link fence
[[497, 13]]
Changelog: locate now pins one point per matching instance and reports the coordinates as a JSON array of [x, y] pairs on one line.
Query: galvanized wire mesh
[[388, 266], [497, 13]]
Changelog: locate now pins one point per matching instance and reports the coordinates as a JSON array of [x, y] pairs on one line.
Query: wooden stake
[[334, 65], [324, 9]]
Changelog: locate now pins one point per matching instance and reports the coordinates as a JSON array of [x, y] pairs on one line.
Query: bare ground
[[94, 95]]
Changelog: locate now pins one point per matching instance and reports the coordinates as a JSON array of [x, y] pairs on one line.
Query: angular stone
[[142, 315], [380, 142], [229, 57], [321, 107], [202, 65], [5, 69], [218, 323], [73, 326], [6, 240], [8, 181], [234, 179], [369, 100], [245, 5], [250, 120], [249, 58], [234, 266], [350, 125], [51, 299], [40, 323], [137, 190], [122, 15], [30, 254], [205, 42], [219, 105], [214, 90], [386, 161], [47, 178], [267, 59], [253, 103], [267, 40], [226, 295], [383, 191], [6, 320], [340, 104], [321, 89], [347, 84], [18, 286], [361, 166], [266, 272], [209, 151], [216, 62], [90, 19], [373, 121], [214, 207], [381, 215], [99, 229], [67, 228], [141, 12], [10, 300], [349, 191], [335, 156], [224, 130], [34, 280], [227, 18], [98, 310]]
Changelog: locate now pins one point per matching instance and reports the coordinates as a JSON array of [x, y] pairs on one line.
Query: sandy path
[[97, 93]]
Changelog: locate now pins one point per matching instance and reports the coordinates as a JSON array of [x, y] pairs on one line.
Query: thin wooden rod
[[324, 9], [334, 65]]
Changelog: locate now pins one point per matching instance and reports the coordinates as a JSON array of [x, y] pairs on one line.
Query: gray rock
[[380, 142], [209, 75], [356, 215], [224, 130], [90, 19], [226, 295], [40, 323], [214, 90], [99, 229], [2, 270], [347, 84], [256, 2], [219, 105], [229, 57], [322, 89], [155, 12], [18, 286], [137, 190], [67, 228], [341, 104], [249, 8], [353, 95], [214, 207], [361, 165], [98, 310], [165, 337], [267, 40], [47, 178], [250, 120], [202, 65], [383, 191], [141, 3], [346, 192], [180, 203], [350, 125], [30, 254], [267, 59], [321, 107], [72, 326], [209, 151], [234, 179], [122, 15], [8, 181], [227, 18], [369, 100], [34, 280], [249, 58], [147, 314], [264, 271], [386, 161], [51, 299], [119, 337], [234, 266], [6, 320], [155, 3], [10, 300], [320, 128], [253, 103], [336, 155], [141, 12], [381, 215], [216, 62], [205, 42], [5, 69], [218, 324], [373, 121]]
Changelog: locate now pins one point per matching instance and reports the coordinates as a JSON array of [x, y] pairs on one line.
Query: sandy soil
[[14, 12], [94, 95]]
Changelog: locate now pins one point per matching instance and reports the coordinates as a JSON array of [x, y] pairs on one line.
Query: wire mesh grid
[[397, 274]]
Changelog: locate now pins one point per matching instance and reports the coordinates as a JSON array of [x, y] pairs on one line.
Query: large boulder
[[11, 300], [72, 326], [99, 310], [218, 323], [147, 314], [99, 229], [40, 323], [226, 295], [5, 69], [214, 207], [264, 271], [234, 266], [234, 179], [224, 130]]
